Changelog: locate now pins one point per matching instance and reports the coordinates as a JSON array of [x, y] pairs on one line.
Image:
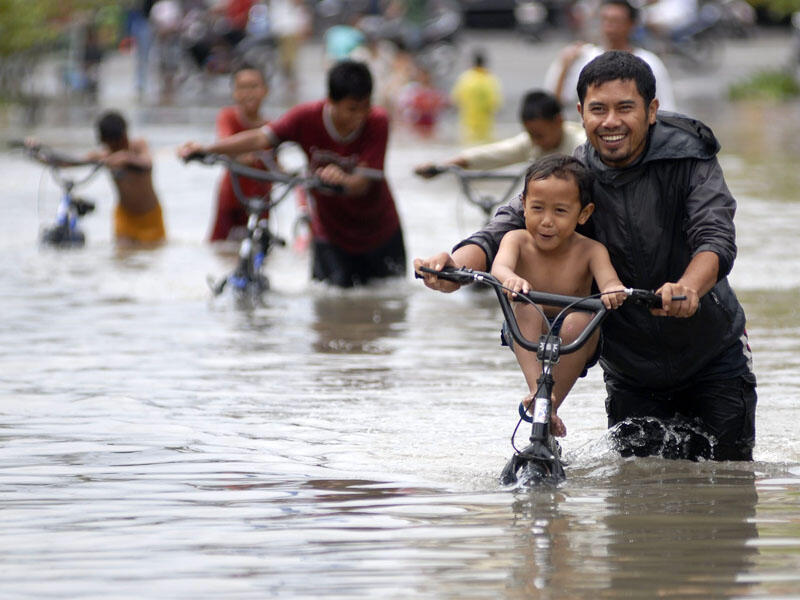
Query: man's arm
[[469, 256], [240, 143]]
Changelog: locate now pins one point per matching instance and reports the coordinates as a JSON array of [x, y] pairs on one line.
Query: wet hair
[[618, 64], [538, 104], [633, 12], [245, 66], [349, 79], [563, 167], [111, 127]]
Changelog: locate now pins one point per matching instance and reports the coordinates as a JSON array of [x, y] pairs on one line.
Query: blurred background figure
[[618, 20], [477, 96], [142, 33], [420, 103], [166, 17], [291, 24]]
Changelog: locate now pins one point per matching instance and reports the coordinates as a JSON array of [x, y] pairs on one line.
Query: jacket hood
[[672, 136]]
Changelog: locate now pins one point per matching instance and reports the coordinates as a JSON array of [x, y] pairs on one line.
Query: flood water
[[346, 444]]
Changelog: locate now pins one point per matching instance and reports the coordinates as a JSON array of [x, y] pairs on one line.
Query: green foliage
[[778, 7], [766, 85], [30, 24]]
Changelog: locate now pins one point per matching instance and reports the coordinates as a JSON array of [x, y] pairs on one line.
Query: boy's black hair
[[563, 167], [633, 12], [349, 79], [538, 104], [618, 64], [111, 127], [245, 66]]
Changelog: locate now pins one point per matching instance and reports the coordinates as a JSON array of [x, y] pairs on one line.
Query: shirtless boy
[[550, 256], [137, 217]]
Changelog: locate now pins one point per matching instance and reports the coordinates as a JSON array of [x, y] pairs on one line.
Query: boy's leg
[[530, 323], [571, 366]]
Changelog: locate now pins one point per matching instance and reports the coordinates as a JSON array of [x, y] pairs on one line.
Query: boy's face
[[545, 133], [249, 90], [616, 121], [349, 114], [553, 210]]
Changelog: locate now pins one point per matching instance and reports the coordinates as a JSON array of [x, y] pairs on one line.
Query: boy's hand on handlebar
[[676, 308], [188, 148], [613, 295], [436, 262], [333, 175], [516, 284]]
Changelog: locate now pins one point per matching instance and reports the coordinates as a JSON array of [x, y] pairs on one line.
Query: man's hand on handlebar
[[436, 262], [672, 305]]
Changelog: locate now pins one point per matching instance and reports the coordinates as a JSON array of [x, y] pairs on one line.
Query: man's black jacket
[[654, 216]]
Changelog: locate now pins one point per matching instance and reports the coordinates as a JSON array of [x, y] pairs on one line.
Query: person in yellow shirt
[[477, 95]]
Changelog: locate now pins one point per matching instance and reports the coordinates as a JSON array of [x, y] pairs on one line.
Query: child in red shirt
[[249, 91]]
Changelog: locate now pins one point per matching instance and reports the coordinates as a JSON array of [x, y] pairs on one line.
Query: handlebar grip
[[649, 299], [432, 171], [197, 155], [448, 273]]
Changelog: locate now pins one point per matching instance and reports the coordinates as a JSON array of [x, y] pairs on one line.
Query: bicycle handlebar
[[468, 174], [646, 298], [242, 170]]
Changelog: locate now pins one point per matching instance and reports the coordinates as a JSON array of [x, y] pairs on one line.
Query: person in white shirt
[[546, 132], [618, 19]]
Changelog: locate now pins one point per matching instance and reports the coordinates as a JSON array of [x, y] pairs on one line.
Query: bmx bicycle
[[65, 232], [540, 461], [467, 180], [259, 239]]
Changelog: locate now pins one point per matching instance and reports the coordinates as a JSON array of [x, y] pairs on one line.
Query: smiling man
[[665, 214]]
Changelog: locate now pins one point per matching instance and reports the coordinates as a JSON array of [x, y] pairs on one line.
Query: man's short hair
[[349, 79], [618, 64], [538, 104], [633, 12], [563, 167], [111, 127]]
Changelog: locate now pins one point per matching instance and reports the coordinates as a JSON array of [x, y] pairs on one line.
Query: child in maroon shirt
[[357, 234]]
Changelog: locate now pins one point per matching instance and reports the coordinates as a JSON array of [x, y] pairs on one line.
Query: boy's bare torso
[[135, 185], [565, 270]]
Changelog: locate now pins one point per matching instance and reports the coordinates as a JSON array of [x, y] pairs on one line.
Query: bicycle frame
[[540, 460], [255, 246], [65, 231]]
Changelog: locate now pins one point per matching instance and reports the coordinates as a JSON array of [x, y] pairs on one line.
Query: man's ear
[[580, 111], [586, 212], [652, 110]]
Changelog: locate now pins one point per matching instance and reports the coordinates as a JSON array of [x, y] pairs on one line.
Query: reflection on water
[[156, 443]]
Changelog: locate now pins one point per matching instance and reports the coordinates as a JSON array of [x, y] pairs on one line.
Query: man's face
[[617, 25], [545, 133], [616, 121], [349, 114]]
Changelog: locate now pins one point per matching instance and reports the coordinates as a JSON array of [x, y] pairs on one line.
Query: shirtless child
[[137, 216], [550, 256]]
